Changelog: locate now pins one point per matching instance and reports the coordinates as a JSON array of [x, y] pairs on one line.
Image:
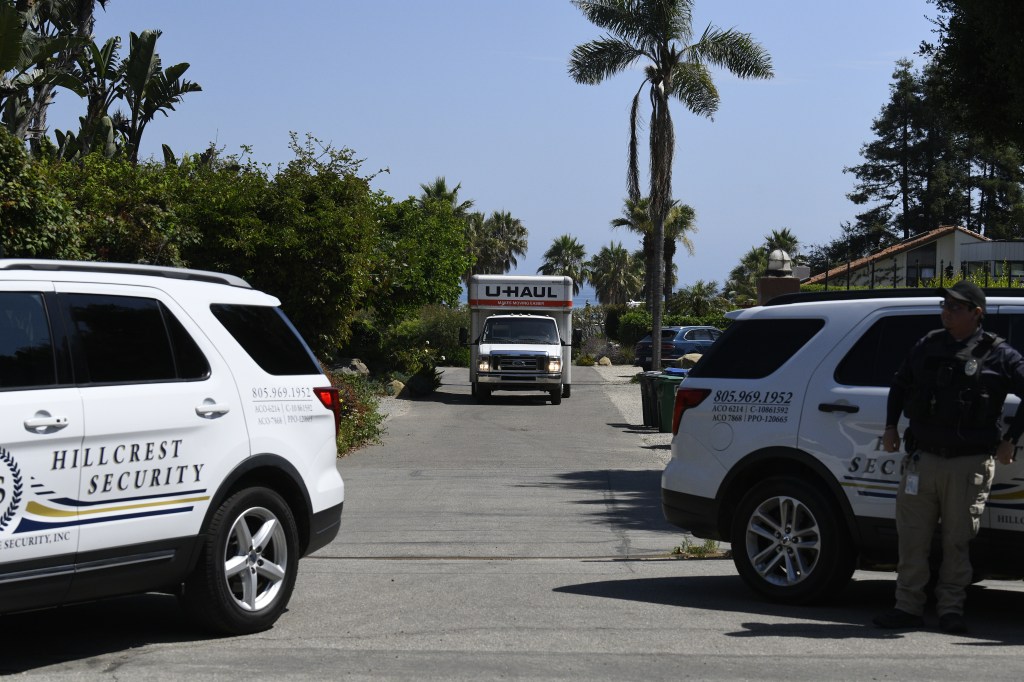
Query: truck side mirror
[[577, 337], [463, 336]]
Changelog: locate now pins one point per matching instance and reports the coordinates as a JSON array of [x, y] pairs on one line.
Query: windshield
[[520, 330]]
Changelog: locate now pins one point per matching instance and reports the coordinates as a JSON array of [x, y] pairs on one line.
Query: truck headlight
[[554, 365], [484, 363]]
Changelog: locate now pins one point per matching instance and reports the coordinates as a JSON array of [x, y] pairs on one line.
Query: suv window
[[753, 349], [268, 337], [26, 351], [877, 355], [124, 339]]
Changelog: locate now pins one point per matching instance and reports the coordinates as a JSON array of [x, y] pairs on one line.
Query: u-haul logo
[[525, 296]]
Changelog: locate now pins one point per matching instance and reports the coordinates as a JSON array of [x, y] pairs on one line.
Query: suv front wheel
[[247, 569], [788, 543]]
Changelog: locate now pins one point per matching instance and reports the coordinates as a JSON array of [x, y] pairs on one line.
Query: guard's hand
[[891, 440], [1005, 451]]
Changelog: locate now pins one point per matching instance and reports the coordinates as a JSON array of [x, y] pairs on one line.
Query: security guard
[[952, 387]]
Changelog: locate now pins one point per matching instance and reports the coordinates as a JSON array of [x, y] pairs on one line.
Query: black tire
[[556, 396], [789, 543], [566, 391], [254, 532]]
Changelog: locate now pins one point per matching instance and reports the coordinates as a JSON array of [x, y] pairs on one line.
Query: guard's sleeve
[[901, 381], [1013, 364]]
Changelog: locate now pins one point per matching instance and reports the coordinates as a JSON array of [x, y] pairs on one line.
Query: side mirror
[[577, 337], [463, 336]]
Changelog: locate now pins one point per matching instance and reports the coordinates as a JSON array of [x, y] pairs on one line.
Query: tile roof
[[906, 245]]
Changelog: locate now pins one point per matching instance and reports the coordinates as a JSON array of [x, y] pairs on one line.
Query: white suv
[[777, 431], [160, 429]]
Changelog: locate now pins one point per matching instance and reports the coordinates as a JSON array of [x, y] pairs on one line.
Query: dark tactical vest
[[954, 406]]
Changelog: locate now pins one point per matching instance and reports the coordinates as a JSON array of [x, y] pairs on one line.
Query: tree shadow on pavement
[[993, 614], [630, 499]]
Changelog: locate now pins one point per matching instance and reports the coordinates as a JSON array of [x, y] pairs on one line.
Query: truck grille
[[520, 363]]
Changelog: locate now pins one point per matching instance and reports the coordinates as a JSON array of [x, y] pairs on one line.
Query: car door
[[41, 430], [844, 409], [164, 424], [1005, 508]]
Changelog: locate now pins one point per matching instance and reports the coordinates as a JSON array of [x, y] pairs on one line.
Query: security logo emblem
[[10, 488], [971, 367]]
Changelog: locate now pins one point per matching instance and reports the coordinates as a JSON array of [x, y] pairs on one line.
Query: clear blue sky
[[477, 91]]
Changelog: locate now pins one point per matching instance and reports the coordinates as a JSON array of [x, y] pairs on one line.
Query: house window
[[921, 265]]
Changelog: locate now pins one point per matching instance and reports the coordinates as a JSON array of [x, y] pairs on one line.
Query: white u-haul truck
[[520, 336]]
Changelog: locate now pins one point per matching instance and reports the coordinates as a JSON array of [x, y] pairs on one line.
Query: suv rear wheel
[[247, 569], [788, 543]]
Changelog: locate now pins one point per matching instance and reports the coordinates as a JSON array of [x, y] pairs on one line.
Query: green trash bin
[[666, 387], [649, 397]]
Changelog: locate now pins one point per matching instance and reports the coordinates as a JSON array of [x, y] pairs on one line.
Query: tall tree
[[981, 56], [660, 32], [495, 242], [568, 258], [616, 274], [699, 299]]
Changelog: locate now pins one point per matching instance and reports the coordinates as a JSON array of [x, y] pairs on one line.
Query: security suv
[[777, 450], [160, 430]]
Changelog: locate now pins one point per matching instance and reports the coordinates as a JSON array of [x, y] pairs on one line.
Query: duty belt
[[957, 451]]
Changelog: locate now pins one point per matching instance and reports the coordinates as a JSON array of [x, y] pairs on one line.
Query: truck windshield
[[513, 330]]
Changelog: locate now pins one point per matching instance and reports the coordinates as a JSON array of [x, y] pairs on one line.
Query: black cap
[[967, 292]]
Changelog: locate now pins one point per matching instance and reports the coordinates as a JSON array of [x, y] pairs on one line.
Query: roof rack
[[860, 294], [123, 269]]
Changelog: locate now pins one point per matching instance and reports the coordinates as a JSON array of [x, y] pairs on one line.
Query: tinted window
[[26, 350], [268, 337], [123, 339], [753, 349], [879, 352]]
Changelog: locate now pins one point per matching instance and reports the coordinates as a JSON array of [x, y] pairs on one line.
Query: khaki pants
[[954, 490]]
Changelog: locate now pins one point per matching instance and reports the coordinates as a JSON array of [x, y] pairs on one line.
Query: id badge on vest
[[911, 486]]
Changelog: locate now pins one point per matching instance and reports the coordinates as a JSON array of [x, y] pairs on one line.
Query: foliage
[[361, 421], [567, 258], [586, 360], [979, 55], [315, 222], [421, 256], [126, 213], [617, 275], [36, 221]]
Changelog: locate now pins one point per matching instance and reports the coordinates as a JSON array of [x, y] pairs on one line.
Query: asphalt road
[[519, 540]]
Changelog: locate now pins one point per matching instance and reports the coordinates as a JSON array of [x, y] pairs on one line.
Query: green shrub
[[585, 361], [361, 419]]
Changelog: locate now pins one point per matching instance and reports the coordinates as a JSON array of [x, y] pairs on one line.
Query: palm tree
[[508, 239], [438, 189], [566, 257], [699, 299], [678, 226], [787, 241], [741, 287], [617, 275], [660, 31], [636, 217]]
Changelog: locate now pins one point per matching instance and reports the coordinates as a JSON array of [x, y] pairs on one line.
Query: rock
[[604, 361], [395, 387], [688, 360]]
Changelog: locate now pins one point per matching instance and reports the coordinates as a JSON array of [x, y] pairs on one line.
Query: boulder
[[604, 361], [688, 360]]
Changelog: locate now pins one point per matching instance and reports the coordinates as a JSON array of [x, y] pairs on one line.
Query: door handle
[[211, 410], [835, 407], [44, 423]]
